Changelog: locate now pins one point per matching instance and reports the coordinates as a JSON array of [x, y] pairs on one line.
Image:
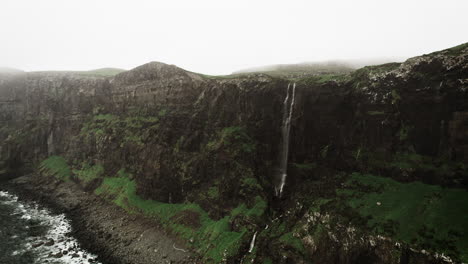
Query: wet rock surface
[[101, 228]]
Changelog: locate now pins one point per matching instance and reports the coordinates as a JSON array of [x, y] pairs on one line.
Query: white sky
[[220, 36]]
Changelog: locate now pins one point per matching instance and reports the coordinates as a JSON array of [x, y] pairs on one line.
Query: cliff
[[376, 171]]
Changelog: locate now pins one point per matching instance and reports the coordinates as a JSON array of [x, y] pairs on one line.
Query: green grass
[[424, 165], [379, 68], [455, 51], [302, 70], [317, 203], [290, 240], [162, 112], [219, 77], [127, 129], [404, 132], [324, 78], [361, 77], [102, 72], [88, 173], [105, 117], [56, 166], [235, 140], [213, 238], [430, 216], [213, 192], [305, 166], [256, 211]]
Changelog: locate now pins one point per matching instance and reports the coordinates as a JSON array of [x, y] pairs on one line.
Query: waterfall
[[285, 129], [252, 243]]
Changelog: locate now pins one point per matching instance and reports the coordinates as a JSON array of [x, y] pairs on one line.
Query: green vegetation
[[321, 72], [325, 78], [455, 51], [128, 129], [429, 216], [305, 166], [361, 77], [384, 67], [410, 161], [215, 77], [234, 140], [290, 240], [214, 239], [303, 70], [105, 72], [162, 112], [404, 132], [395, 97], [213, 193], [284, 237], [55, 166], [97, 125], [317, 203], [88, 173], [324, 151], [250, 187], [377, 69], [25, 135], [256, 211]]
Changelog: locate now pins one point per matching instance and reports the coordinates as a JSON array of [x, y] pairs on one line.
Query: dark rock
[[50, 242], [56, 255], [38, 244]]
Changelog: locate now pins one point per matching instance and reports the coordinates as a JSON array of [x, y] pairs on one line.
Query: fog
[[219, 37]]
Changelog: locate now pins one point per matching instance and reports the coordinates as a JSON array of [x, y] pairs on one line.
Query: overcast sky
[[217, 36]]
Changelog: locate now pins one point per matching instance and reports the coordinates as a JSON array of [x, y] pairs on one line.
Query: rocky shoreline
[[101, 228]]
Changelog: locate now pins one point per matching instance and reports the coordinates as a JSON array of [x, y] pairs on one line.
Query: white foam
[[58, 229]]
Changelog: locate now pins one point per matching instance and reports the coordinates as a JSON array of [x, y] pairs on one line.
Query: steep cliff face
[[201, 155], [40, 112]]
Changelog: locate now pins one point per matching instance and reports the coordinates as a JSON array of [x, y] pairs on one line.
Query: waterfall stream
[[252, 243], [288, 107]]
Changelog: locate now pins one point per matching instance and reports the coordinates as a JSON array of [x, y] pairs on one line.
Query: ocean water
[[30, 234]]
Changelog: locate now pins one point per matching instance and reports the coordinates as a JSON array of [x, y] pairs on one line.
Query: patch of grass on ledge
[[88, 173], [429, 216], [291, 241], [454, 51], [56, 166], [305, 166], [256, 211], [324, 78], [106, 72], [214, 240]]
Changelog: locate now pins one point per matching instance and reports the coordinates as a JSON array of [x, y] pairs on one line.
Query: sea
[[32, 234]]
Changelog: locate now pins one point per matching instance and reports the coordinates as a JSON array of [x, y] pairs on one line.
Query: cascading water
[[252, 243], [285, 129]]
